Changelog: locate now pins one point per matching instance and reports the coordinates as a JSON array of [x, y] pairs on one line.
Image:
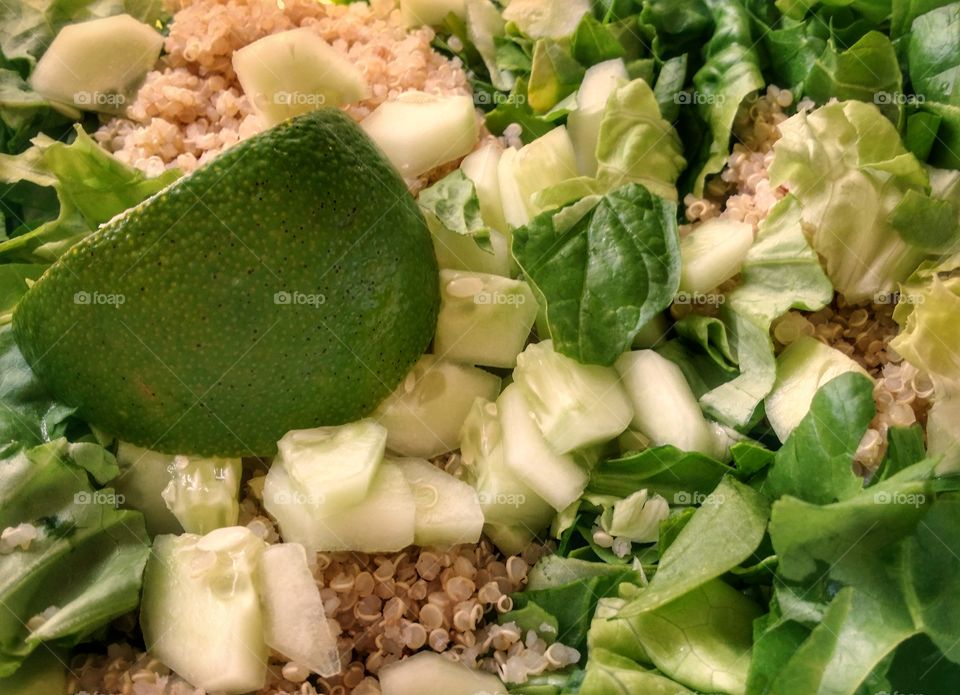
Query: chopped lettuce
[[603, 276]]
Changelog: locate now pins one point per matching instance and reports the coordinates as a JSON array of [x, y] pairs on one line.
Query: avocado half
[[290, 283]]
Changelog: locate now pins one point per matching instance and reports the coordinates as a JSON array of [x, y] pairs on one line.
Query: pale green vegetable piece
[[599, 82], [548, 160], [295, 71], [480, 166], [447, 509], [415, 13], [713, 253], [143, 476], [546, 19], [431, 672], [202, 492], [636, 518]]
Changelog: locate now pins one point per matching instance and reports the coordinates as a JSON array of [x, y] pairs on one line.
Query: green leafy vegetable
[[603, 276], [453, 202], [594, 43], [682, 477], [554, 74]]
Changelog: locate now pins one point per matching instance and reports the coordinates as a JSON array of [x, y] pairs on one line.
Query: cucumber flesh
[[504, 498], [340, 461], [713, 253], [424, 415], [202, 492], [460, 252], [665, 409], [143, 476], [574, 404], [294, 620], [431, 13], [523, 173], [294, 72], [448, 511], [412, 675], [200, 611], [546, 19], [480, 166], [599, 82], [419, 131], [802, 368], [557, 478], [383, 522], [97, 65], [510, 540], [484, 319]]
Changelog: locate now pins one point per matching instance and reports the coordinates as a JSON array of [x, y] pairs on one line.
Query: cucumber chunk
[[448, 511], [556, 478], [97, 65], [713, 253], [294, 620], [510, 540], [382, 522], [200, 611], [480, 166], [504, 498], [202, 492], [339, 461], [802, 368], [546, 19], [419, 131], [523, 173], [461, 252], [143, 476], [429, 672], [665, 409], [293, 72], [418, 13], [484, 319], [575, 405], [423, 416], [599, 82]]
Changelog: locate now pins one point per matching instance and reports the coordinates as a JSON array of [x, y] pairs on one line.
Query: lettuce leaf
[[90, 184], [847, 166], [602, 276]]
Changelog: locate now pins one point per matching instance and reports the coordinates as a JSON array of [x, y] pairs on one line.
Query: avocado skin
[[199, 357]]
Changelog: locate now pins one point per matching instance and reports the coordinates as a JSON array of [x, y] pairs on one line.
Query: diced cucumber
[[802, 368], [461, 252], [417, 13], [575, 405], [523, 173], [480, 166], [598, 84], [382, 522], [556, 478], [339, 461], [200, 611], [294, 72], [713, 253], [202, 492], [510, 540], [546, 19], [143, 476], [448, 511], [430, 672], [295, 623], [97, 65], [484, 319], [419, 131], [504, 498], [665, 408], [423, 416]]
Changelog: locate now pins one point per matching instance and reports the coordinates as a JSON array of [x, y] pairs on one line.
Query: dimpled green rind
[[289, 283]]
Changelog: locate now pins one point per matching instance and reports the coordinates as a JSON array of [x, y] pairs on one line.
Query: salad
[[542, 347]]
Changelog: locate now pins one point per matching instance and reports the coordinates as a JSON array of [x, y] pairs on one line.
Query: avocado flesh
[[288, 284]]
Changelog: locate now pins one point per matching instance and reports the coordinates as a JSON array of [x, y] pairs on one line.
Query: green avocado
[[290, 283]]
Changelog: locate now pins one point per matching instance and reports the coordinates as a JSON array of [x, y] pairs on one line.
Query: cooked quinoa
[[191, 107]]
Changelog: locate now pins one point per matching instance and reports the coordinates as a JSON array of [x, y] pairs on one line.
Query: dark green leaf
[[681, 477], [594, 43], [928, 223], [905, 447]]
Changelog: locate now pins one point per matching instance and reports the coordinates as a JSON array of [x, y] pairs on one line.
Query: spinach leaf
[[682, 477]]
